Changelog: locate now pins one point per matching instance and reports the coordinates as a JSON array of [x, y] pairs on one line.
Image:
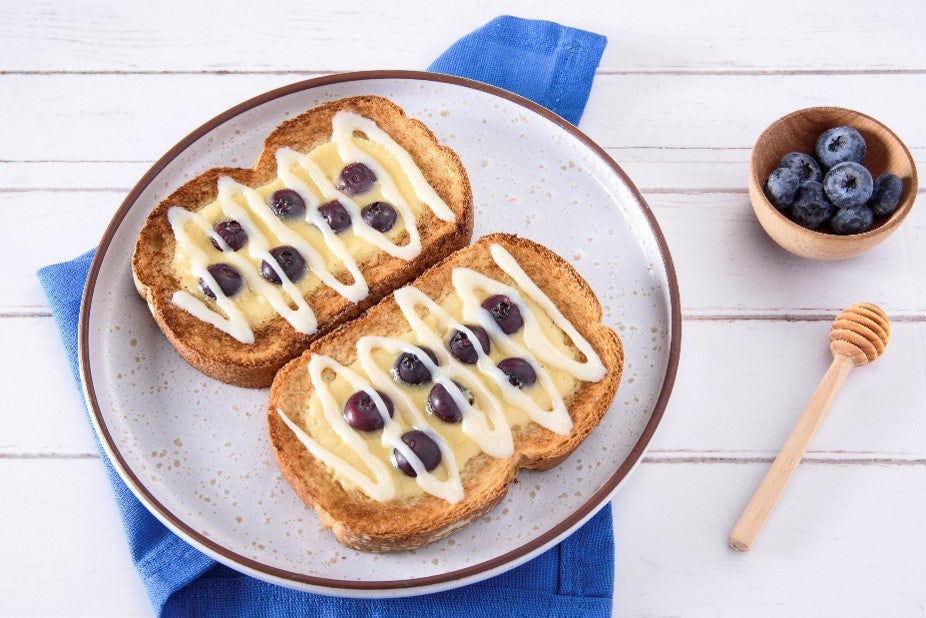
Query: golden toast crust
[[365, 524], [219, 355]]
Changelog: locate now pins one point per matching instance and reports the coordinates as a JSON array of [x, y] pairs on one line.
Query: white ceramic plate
[[195, 450]]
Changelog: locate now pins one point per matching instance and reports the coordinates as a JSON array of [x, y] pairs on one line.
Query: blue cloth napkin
[[554, 66], [542, 61]]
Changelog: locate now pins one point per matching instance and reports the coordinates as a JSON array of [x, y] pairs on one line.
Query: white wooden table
[[92, 93]]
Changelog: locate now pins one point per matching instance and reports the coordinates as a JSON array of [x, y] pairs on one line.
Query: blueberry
[[781, 187], [287, 204], [228, 278], [335, 215], [409, 369], [838, 145], [805, 166], [441, 404], [852, 220], [848, 184], [232, 233], [423, 446], [289, 259], [811, 209], [380, 216], [506, 313], [361, 412], [355, 178], [462, 347], [886, 195], [520, 372]]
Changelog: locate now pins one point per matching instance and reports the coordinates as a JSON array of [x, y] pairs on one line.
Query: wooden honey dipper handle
[[857, 337]]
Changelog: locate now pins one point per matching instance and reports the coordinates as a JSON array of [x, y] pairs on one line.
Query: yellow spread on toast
[[536, 360], [313, 420], [282, 258], [255, 307]]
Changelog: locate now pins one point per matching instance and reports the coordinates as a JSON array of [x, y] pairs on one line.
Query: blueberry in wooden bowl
[[839, 234]]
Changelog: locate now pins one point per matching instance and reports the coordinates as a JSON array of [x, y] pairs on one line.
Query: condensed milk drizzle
[[484, 421], [286, 299], [381, 488], [344, 124]]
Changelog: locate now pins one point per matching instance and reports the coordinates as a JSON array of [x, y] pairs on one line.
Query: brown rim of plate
[[233, 559]]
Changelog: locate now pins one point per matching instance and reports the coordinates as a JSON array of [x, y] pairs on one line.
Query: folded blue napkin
[[542, 61], [554, 66]]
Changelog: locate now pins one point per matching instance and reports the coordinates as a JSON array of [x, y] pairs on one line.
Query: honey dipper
[[857, 337]]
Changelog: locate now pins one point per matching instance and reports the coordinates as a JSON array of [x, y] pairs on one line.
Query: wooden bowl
[[798, 131]]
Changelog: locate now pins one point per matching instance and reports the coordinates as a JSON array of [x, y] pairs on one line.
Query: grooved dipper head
[[860, 333]]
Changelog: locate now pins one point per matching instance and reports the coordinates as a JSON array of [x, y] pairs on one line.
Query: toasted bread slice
[[224, 357], [415, 519]]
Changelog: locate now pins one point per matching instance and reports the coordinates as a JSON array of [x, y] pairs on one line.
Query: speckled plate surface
[[195, 450]]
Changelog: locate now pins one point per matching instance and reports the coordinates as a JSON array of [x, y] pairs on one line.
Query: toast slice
[[164, 268], [304, 437]]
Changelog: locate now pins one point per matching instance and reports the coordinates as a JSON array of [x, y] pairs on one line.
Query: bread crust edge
[[358, 521], [220, 356]]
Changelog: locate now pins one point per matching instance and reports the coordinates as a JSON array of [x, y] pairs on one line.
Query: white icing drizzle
[[592, 369], [234, 324], [381, 487], [302, 318], [360, 229], [291, 305], [466, 282], [484, 421], [488, 428], [286, 158], [343, 126], [450, 489]]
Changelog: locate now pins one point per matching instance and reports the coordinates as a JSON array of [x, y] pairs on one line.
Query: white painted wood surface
[[92, 93]]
